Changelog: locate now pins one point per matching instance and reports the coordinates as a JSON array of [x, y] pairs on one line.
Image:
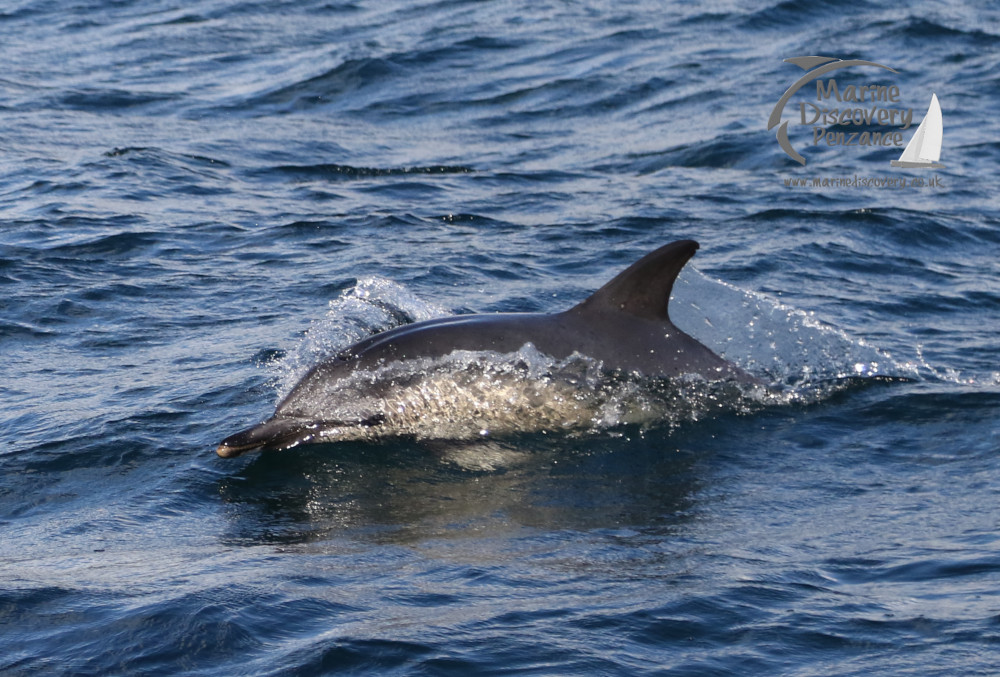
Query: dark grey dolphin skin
[[624, 325]]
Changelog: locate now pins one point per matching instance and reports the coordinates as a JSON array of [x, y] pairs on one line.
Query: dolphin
[[388, 383]]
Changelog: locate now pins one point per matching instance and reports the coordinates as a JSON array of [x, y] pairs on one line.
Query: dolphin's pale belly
[[467, 396], [471, 395]]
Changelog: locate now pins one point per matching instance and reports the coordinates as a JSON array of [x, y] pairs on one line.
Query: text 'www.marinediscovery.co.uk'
[[856, 181]]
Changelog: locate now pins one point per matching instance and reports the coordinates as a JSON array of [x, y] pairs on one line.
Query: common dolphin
[[381, 386]]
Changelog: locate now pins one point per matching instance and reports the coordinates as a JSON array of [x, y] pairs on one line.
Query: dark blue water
[[190, 192]]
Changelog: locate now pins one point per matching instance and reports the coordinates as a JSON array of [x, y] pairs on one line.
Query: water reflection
[[405, 492]]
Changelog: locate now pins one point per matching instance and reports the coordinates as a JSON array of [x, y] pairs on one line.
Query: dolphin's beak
[[276, 433]]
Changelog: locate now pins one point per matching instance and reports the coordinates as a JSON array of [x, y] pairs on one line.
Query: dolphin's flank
[[387, 384]]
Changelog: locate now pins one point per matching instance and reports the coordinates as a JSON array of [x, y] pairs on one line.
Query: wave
[[788, 14], [921, 30], [348, 172], [726, 151], [105, 99]]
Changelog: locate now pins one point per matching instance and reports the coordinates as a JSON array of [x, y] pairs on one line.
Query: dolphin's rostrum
[[393, 383]]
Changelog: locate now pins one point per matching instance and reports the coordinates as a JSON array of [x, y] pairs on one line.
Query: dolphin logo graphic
[[821, 65]]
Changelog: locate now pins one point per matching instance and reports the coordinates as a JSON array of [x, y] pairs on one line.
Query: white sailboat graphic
[[924, 148]]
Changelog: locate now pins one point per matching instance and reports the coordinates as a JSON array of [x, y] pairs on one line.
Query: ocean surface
[[198, 200]]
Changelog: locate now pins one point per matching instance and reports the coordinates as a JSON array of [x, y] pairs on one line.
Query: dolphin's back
[[625, 325]]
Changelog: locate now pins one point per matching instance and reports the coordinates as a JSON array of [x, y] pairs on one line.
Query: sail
[[924, 148]]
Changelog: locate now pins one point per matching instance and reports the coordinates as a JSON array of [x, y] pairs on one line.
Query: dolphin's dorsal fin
[[643, 289]]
